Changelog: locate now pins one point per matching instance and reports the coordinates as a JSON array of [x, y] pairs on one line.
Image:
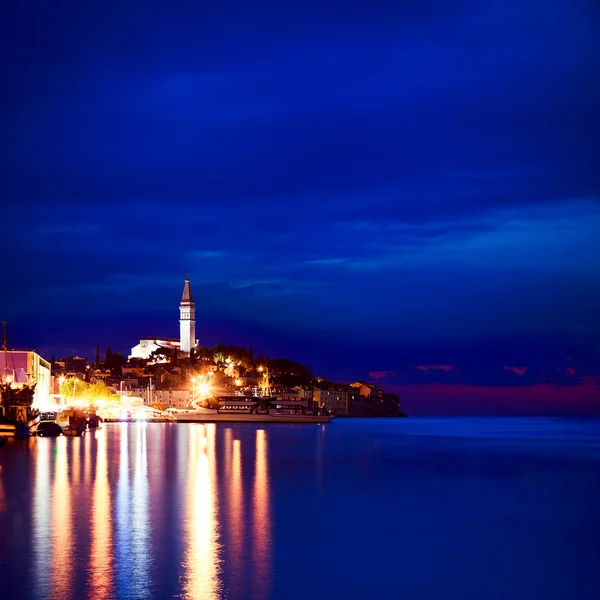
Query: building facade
[[26, 367], [149, 345]]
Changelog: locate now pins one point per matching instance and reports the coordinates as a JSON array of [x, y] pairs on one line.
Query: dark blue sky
[[355, 187]]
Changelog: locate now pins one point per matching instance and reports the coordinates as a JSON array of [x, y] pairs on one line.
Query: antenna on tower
[[5, 345]]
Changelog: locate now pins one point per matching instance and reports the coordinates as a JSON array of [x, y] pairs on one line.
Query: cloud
[[445, 368], [538, 399], [381, 374], [516, 370]]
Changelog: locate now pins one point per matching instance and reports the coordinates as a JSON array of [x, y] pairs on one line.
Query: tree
[[97, 391], [70, 387], [74, 389], [203, 354], [115, 362]]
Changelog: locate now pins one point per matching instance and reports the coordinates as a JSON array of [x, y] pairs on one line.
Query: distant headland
[[179, 373]]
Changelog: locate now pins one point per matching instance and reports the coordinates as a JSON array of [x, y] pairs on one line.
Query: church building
[[187, 330]]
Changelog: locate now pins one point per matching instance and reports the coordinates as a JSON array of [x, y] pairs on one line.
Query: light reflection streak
[[320, 449], [75, 452], [227, 457], [202, 568], [87, 460], [61, 532], [101, 569], [122, 554], [140, 527], [42, 512], [261, 524], [235, 517], [2, 495]]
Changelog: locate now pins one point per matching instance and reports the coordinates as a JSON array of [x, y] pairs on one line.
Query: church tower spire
[[187, 319]]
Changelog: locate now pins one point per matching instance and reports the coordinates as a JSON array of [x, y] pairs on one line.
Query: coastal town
[[175, 375]]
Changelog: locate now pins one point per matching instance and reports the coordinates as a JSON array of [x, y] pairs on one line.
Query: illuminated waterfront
[[415, 508]]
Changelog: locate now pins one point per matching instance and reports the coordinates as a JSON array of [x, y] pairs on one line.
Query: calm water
[[411, 508]]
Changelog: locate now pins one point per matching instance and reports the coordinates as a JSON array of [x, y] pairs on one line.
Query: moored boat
[[242, 409], [73, 430], [94, 421], [17, 416], [49, 429]]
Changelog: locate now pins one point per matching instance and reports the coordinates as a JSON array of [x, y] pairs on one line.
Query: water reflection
[[214, 535], [2, 495], [62, 521], [105, 510], [123, 533], [319, 449], [101, 567], [235, 520], [140, 521], [87, 461], [202, 565], [42, 512], [261, 527]]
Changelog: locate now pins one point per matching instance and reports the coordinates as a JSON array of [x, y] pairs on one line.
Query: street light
[[61, 380]]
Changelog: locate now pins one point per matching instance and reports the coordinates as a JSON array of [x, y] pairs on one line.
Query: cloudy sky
[[406, 192]]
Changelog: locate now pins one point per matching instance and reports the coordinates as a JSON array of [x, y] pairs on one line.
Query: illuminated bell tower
[[187, 319]]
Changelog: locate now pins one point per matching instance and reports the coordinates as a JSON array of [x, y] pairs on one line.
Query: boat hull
[[251, 418], [19, 430]]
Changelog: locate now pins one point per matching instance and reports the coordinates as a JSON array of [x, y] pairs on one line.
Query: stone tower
[[187, 319]]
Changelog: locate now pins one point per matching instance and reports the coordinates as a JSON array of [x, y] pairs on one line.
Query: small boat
[[94, 421], [73, 430], [71, 417], [49, 429], [17, 416]]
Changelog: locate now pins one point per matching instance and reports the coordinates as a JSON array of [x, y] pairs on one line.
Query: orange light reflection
[[2, 500], [61, 568], [235, 518], [261, 524], [42, 513], [140, 519], [101, 569], [202, 567]]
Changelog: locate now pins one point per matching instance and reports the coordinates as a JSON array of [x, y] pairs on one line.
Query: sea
[[465, 508]]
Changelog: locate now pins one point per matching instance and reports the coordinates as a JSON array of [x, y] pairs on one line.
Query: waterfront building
[[26, 367], [334, 399], [171, 398]]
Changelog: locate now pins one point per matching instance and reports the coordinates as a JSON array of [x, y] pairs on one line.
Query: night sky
[[406, 192]]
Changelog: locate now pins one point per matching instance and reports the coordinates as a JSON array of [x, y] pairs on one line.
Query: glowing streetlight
[[193, 389], [264, 384], [61, 380]]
